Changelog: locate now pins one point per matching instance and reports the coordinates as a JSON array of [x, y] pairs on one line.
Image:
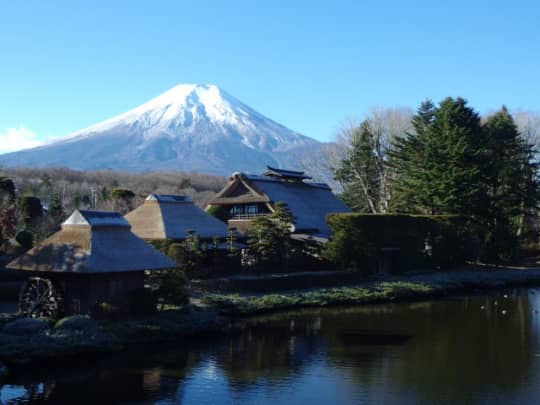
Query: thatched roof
[[309, 202], [171, 217], [92, 242]]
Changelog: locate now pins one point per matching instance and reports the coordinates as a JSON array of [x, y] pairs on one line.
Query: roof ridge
[[169, 198], [96, 218]]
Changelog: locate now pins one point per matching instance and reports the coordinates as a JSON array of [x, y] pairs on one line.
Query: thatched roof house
[[92, 242], [94, 258], [171, 217], [246, 196]]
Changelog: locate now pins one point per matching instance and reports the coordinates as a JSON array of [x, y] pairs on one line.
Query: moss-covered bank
[[413, 287]]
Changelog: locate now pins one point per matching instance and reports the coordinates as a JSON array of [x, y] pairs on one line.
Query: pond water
[[8, 307], [477, 349]]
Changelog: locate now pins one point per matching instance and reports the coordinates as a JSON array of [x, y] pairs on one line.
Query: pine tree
[[509, 180], [451, 164], [55, 211], [269, 236], [438, 167], [407, 160]]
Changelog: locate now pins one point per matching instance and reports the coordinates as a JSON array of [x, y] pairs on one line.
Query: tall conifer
[[438, 167]]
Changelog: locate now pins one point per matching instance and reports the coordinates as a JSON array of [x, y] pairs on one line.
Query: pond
[[476, 349], [8, 307]]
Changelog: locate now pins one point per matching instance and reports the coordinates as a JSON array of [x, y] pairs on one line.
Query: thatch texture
[[171, 217], [92, 242]]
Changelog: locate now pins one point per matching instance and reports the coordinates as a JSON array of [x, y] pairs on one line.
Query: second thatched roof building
[[171, 217]]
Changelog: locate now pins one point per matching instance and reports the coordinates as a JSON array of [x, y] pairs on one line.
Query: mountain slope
[[188, 128]]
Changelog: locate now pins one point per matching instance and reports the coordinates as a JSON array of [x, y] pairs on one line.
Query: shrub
[[171, 287]]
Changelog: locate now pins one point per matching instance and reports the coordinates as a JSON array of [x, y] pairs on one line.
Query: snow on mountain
[[189, 128]]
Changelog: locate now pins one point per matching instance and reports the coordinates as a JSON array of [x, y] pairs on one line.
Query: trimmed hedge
[[359, 241]]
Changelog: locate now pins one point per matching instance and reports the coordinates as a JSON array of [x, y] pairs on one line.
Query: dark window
[[247, 210]]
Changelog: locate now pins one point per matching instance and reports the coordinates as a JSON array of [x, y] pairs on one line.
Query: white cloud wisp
[[14, 139]]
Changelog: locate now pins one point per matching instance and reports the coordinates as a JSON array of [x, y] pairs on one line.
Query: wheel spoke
[[39, 298]]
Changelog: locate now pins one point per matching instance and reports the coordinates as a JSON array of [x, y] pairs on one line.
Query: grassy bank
[[236, 305], [414, 287]]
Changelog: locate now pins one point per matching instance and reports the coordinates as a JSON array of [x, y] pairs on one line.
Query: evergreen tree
[[269, 237], [76, 199], [8, 223], [30, 211], [438, 166], [122, 200], [55, 211], [8, 219], [55, 215], [509, 181], [451, 164], [7, 191]]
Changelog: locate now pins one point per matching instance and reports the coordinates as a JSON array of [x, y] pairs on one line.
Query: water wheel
[[39, 298]]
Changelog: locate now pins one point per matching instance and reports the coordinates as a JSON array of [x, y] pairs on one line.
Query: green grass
[[237, 305]]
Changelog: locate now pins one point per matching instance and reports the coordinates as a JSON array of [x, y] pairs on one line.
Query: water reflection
[[476, 349]]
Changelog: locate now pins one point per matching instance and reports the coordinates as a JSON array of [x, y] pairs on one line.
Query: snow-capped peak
[[180, 104], [202, 111], [189, 127]]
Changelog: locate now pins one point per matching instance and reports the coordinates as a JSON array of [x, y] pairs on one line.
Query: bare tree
[[528, 123], [363, 170]]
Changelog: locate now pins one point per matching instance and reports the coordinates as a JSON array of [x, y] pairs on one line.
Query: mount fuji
[[198, 128]]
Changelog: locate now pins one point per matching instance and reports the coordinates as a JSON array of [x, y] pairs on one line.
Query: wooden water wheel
[[39, 298]]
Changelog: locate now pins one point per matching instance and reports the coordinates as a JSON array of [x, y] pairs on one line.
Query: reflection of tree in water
[[459, 347], [129, 377], [269, 350], [464, 349]]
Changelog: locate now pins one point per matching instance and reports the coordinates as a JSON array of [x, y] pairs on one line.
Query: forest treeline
[[91, 189], [34, 201]]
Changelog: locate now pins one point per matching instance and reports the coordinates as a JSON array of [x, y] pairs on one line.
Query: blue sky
[[309, 65]]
